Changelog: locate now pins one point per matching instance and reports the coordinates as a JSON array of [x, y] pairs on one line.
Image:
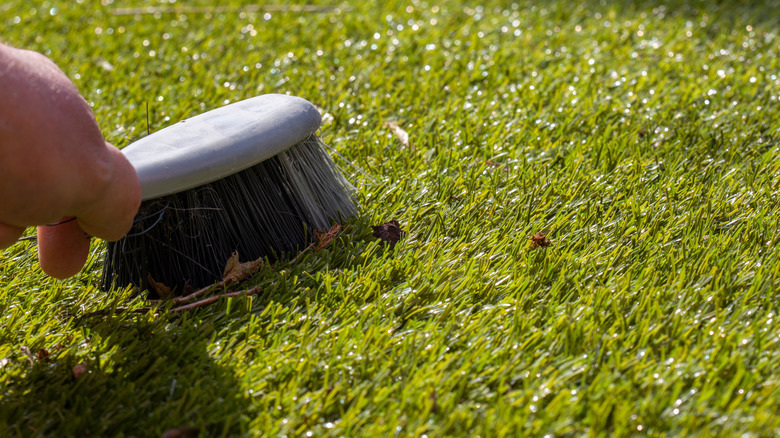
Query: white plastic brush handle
[[221, 142]]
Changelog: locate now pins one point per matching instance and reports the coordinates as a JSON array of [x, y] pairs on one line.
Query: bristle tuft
[[268, 210]]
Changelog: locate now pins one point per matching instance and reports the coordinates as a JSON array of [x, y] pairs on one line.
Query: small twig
[[119, 310], [28, 353], [190, 297], [295, 259], [253, 291]]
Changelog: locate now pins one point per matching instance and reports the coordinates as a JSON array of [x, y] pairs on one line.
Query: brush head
[[221, 142], [250, 177]]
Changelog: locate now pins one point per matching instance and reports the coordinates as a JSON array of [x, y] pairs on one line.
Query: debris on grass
[[107, 66], [79, 370], [204, 302], [28, 354], [540, 240], [496, 166], [42, 355], [389, 232], [236, 272], [323, 238], [399, 132], [160, 289]]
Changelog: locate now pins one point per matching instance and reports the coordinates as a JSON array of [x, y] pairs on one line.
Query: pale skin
[[55, 165]]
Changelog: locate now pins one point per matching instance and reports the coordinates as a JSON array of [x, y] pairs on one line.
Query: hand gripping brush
[[250, 177]]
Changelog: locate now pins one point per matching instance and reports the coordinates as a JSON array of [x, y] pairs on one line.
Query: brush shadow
[[145, 377]]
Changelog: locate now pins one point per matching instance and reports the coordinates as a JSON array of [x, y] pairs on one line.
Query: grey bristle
[[268, 210]]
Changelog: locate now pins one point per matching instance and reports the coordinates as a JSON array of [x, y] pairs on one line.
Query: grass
[[641, 137]]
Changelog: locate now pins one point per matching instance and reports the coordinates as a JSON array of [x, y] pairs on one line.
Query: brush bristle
[[184, 240]]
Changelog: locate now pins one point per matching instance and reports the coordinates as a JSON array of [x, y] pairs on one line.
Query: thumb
[[62, 248]]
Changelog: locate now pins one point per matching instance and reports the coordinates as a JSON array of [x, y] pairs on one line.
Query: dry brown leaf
[[389, 232], [539, 240], [162, 290], [42, 355], [79, 370], [235, 271], [231, 264], [323, 238], [399, 132]]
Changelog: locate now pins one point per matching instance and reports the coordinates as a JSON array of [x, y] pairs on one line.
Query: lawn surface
[[641, 137]]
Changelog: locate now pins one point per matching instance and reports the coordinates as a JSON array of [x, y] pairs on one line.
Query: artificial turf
[[640, 137]]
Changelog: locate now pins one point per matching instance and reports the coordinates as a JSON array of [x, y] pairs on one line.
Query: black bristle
[[268, 210]]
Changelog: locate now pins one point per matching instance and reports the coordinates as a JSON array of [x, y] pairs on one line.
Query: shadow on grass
[[144, 377]]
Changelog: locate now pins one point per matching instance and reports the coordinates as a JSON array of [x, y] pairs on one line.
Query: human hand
[[55, 165]]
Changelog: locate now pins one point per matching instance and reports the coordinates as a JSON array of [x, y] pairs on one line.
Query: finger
[[111, 216], [62, 249], [9, 235]]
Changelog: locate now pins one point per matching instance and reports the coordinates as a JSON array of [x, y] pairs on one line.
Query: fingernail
[[64, 220]]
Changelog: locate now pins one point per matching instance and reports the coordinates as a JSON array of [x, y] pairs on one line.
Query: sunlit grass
[[643, 139]]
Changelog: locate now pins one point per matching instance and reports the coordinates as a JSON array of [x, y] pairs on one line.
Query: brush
[[251, 177]]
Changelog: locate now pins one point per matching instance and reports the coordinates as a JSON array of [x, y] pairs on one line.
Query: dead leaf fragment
[[162, 290], [235, 271], [389, 232], [79, 370], [539, 239], [107, 66], [42, 355], [231, 264], [399, 132], [323, 238], [497, 166]]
